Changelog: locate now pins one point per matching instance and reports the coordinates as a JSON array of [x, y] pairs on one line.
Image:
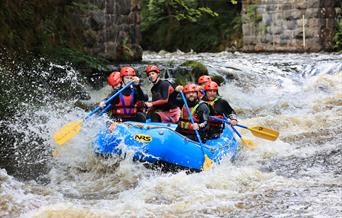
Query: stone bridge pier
[[289, 25], [112, 29]]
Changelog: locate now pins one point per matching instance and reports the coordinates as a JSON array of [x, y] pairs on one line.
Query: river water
[[299, 175]]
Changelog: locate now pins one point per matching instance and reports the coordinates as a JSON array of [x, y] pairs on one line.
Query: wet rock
[[85, 105], [228, 74], [218, 79], [25, 87], [22, 154], [181, 75], [94, 77], [191, 72]]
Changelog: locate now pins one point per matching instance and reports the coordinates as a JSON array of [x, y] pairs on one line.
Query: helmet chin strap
[[155, 81], [211, 98], [123, 81]]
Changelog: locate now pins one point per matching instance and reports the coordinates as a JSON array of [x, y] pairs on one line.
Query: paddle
[[258, 131], [207, 162], [105, 109], [247, 143], [71, 129]]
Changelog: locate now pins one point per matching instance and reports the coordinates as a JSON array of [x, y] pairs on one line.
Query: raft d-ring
[[161, 132]]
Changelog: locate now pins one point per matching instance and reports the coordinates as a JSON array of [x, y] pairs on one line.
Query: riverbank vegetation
[[338, 36], [53, 29], [45, 28], [199, 25]]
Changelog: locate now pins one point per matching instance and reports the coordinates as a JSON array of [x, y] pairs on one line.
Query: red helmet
[[190, 88], [152, 68], [114, 78], [211, 86], [204, 79], [127, 71], [199, 88]]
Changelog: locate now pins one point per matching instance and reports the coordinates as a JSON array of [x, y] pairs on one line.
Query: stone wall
[[289, 25], [112, 29]]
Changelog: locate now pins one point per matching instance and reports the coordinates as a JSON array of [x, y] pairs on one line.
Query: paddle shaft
[[106, 102], [192, 120], [227, 121], [258, 131], [105, 109], [72, 128], [237, 133], [207, 162]]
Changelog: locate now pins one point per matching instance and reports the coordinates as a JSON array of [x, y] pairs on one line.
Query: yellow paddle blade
[[207, 162], [265, 133], [249, 144], [67, 132]]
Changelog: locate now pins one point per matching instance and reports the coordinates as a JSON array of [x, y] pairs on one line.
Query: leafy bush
[[46, 28], [337, 41], [190, 25]]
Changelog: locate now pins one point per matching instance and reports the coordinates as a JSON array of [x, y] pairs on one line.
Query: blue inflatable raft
[[158, 142]]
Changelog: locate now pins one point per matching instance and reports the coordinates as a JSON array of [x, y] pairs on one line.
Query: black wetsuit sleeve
[[165, 91], [139, 94], [203, 114], [223, 107]]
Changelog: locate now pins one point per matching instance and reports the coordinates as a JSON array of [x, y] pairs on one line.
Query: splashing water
[[299, 175]]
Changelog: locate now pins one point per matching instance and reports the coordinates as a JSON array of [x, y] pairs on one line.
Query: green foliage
[[126, 50], [262, 28], [197, 69], [46, 28], [76, 58], [205, 26], [253, 15], [31, 25], [84, 7], [337, 40], [159, 10], [251, 11], [192, 14]]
